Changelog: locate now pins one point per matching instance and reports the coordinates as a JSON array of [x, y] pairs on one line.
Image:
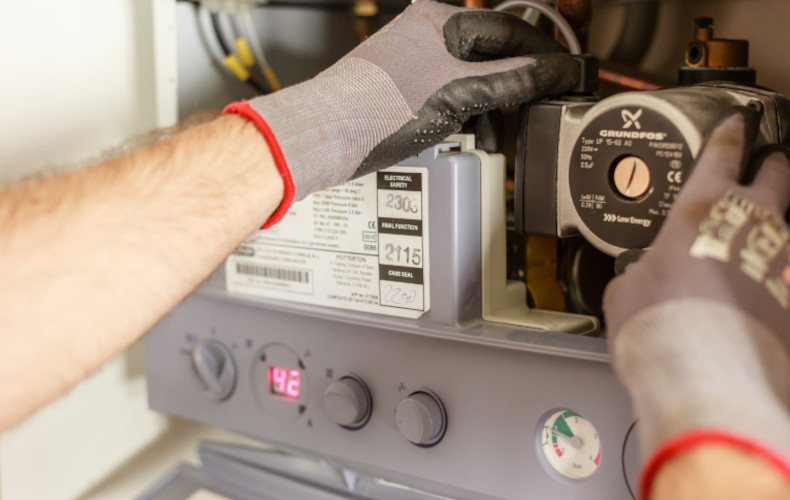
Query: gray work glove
[[404, 89], [699, 328]]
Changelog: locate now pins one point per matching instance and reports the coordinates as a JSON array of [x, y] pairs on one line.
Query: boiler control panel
[[432, 396]]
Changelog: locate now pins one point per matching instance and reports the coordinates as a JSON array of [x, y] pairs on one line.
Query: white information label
[[360, 246]]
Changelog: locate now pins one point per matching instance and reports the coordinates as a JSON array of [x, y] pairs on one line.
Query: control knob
[[215, 369], [421, 418], [631, 177], [348, 402]]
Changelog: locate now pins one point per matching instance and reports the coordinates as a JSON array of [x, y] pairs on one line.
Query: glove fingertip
[[481, 35], [559, 72], [727, 148]]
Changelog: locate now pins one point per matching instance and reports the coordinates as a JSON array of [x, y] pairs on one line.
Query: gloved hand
[[699, 328], [404, 89]]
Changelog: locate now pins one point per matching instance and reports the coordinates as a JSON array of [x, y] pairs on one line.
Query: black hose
[[218, 32], [637, 33]]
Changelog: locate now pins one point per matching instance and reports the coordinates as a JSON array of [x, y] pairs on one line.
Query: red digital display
[[284, 382]]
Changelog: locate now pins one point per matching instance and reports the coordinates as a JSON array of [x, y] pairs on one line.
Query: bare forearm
[[89, 260], [721, 473]]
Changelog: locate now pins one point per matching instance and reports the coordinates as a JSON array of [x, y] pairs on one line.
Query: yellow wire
[[234, 65], [268, 72], [244, 52], [271, 78]]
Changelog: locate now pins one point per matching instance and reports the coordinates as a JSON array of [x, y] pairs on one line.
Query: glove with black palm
[[404, 89]]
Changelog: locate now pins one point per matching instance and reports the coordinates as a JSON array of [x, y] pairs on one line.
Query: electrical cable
[[565, 29], [234, 25], [263, 63], [215, 23], [242, 47], [532, 16], [232, 62]]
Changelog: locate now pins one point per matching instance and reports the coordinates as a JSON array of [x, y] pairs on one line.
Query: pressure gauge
[[570, 444]]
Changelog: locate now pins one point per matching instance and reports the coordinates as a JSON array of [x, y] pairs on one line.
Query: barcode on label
[[276, 273]]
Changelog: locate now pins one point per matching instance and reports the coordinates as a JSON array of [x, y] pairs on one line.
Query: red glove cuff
[[243, 108], [703, 437]]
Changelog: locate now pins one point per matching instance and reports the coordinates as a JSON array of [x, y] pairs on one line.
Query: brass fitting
[[705, 51]]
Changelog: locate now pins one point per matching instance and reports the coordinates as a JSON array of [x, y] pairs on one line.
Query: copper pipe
[[626, 81], [477, 4], [616, 78]]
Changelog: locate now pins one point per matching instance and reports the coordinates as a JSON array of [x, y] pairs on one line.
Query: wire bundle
[[246, 59]]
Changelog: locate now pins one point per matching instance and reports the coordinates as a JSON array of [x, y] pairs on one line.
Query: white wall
[[79, 77], [76, 77]]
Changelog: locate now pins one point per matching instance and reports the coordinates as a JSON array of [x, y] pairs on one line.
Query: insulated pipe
[[637, 33]]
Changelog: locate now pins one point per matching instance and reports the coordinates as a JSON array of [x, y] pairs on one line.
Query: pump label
[[360, 246], [631, 141]]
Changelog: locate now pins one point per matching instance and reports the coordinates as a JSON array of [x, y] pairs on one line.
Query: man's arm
[[91, 259], [719, 472]]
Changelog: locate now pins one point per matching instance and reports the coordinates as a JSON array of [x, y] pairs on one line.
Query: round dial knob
[[348, 402], [632, 177], [215, 369], [421, 418]]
